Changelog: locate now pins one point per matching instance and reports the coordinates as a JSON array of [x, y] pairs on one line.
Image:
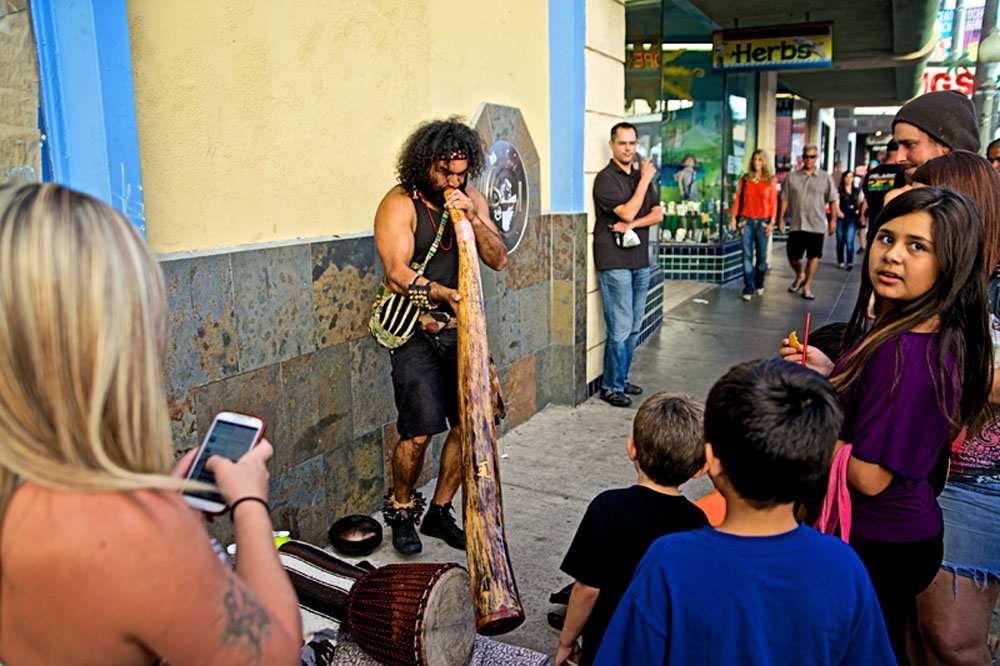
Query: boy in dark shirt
[[667, 449], [759, 589]]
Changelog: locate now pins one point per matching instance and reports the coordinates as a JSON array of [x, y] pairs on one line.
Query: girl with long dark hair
[[910, 382]]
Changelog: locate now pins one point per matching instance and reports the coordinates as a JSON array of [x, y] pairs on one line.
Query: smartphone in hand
[[230, 435]]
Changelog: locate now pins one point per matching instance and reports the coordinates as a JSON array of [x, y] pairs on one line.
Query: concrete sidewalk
[[560, 459]]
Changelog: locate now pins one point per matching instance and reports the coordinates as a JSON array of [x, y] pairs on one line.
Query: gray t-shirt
[[807, 197]]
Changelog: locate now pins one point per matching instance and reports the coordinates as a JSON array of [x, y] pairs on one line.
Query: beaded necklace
[[444, 219]]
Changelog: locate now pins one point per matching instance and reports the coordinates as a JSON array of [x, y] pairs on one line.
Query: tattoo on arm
[[246, 623]]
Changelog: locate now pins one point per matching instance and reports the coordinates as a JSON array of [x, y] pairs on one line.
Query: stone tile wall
[[281, 332]]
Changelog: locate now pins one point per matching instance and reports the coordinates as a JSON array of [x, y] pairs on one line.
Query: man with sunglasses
[[806, 194], [993, 154]]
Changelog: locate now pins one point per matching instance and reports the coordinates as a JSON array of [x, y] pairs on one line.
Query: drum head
[[449, 623]]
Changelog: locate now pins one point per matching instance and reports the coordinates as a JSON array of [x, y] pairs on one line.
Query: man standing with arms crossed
[[626, 203], [806, 193]]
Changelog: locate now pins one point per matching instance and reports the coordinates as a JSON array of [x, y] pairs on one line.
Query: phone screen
[[227, 439]]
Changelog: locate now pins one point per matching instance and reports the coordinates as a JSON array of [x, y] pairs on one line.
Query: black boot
[[403, 519], [441, 524]]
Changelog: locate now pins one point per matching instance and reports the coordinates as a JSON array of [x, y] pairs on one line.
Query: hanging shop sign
[[801, 46], [959, 78]]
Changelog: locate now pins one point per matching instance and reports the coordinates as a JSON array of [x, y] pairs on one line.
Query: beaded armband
[[420, 295]]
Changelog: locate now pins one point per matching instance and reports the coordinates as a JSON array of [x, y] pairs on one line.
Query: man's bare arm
[[781, 214], [650, 219], [395, 221], [394, 240], [489, 242], [627, 211]]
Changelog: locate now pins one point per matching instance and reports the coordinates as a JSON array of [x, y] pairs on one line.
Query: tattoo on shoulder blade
[[246, 623]]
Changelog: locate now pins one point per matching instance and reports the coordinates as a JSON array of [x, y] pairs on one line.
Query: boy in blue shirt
[[759, 589]]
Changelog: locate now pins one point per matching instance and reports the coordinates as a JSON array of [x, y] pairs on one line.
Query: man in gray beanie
[[932, 125]]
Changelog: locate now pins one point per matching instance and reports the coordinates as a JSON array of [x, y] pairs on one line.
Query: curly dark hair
[[434, 141]]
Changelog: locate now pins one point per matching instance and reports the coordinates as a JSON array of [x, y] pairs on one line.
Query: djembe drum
[[413, 614], [400, 614]]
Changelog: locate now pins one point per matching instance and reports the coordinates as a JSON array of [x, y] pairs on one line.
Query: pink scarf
[[837, 503]]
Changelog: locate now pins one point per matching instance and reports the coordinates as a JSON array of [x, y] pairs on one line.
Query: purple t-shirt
[[893, 417]]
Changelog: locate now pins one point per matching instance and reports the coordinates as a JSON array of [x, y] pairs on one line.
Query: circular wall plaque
[[506, 192]]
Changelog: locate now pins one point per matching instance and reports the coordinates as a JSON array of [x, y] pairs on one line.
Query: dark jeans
[[754, 240], [899, 572], [846, 230], [623, 295]]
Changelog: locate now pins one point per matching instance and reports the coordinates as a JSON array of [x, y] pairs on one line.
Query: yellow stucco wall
[[273, 121]]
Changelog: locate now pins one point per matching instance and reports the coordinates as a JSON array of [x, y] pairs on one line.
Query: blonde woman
[[754, 208], [101, 560]]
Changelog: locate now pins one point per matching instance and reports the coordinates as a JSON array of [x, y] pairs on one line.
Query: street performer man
[[438, 155]]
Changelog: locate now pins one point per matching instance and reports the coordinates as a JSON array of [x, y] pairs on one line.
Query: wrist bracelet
[[420, 294], [248, 498]]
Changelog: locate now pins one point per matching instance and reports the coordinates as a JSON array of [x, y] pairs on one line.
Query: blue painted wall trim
[[88, 100], [567, 88]]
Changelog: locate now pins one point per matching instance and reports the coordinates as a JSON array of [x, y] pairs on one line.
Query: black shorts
[[804, 241], [425, 383]]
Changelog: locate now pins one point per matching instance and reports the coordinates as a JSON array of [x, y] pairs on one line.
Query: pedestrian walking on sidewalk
[[627, 203], [754, 208], [806, 193], [851, 200]]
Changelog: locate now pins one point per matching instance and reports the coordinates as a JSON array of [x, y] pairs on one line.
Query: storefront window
[[692, 131], [741, 131], [698, 128], [791, 128]]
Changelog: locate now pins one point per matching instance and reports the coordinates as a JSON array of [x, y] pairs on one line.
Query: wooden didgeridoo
[[494, 592]]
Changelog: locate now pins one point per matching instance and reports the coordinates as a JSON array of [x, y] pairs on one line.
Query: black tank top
[[443, 266]]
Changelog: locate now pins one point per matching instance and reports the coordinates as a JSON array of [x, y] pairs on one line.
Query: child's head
[[829, 339], [924, 267], [973, 176], [928, 244], [771, 426], [667, 436]]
